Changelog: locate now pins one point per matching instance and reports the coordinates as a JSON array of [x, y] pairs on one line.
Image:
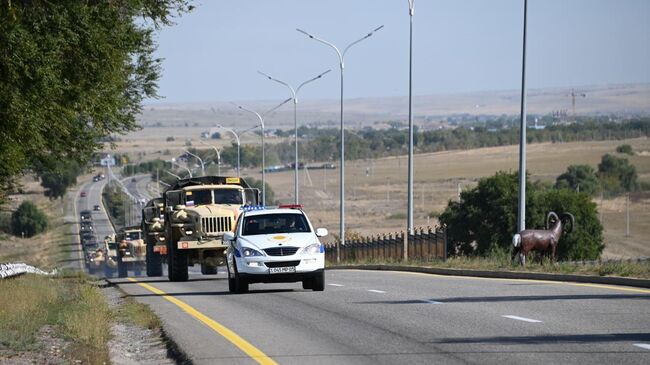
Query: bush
[[580, 178], [625, 148], [486, 217], [28, 219], [620, 169], [5, 222]]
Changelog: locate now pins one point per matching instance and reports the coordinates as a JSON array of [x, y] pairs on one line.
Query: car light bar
[[291, 206], [248, 208]]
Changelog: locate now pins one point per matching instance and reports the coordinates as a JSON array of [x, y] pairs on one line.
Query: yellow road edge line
[[250, 350], [601, 286]]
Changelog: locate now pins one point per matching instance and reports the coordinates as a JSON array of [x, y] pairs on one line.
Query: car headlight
[[312, 249], [249, 252]]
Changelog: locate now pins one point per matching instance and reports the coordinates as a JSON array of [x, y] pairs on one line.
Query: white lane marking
[[523, 319], [335, 284], [643, 345], [376, 291], [430, 301]]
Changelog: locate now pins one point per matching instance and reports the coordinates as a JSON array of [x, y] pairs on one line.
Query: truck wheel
[[122, 268], [177, 264], [154, 262], [307, 284], [207, 269], [318, 282]]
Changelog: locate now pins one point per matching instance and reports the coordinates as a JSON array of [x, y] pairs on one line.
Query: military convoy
[[183, 228]]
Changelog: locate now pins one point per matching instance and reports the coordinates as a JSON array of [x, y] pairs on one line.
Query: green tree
[[72, 73], [28, 220], [580, 178], [57, 180], [486, 217], [614, 168]]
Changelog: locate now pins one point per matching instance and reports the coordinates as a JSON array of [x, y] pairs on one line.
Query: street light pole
[[521, 216], [410, 152], [261, 120], [294, 96], [173, 161], [341, 56], [200, 160], [238, 144], [218, 157]]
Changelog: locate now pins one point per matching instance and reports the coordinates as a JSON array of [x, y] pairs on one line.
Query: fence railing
[[424, 244], [12, 270]]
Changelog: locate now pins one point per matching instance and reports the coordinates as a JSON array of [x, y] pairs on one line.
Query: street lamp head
[[305, 33], [378, 28], [265, 75]]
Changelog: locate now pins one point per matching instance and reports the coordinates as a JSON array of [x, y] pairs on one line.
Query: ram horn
[[572, 219], [548, 219]]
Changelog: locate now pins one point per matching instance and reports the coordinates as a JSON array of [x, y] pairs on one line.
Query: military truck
[[198, 211], [110, 255], [131, 251], [153, 232]]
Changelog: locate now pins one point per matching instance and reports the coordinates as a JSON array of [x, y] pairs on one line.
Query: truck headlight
[[312, 249]]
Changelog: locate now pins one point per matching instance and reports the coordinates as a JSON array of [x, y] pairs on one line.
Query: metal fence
[[425, 244], [12, 270]]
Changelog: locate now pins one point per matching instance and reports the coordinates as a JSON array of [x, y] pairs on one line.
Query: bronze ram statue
[[543, 240]]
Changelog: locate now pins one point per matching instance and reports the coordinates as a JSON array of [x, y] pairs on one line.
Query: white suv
[[275, 246]]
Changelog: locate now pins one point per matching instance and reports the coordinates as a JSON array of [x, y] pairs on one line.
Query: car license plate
[[282, 270]]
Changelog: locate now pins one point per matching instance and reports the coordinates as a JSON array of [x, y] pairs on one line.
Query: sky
[[215, 52]]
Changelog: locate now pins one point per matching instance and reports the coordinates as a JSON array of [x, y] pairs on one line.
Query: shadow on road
[[209, 293], [545, 339], [522, 298]]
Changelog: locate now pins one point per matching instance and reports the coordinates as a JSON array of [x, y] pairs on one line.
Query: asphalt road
[[366, 317]]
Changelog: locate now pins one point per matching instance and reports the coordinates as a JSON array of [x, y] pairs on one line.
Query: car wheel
[[307, 284], [231, 282], [241, 285], [318, 282]]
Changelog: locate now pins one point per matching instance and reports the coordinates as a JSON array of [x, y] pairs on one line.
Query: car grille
[[216, 224], [282, 264], [281, 251]]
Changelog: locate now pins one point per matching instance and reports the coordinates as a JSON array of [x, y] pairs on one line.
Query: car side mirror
[[321, 232], [229, 236]]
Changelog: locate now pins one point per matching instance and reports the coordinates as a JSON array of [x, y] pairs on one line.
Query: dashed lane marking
[[250, 350], [644, 346], [376, 291], [337, 285], [524, 319]]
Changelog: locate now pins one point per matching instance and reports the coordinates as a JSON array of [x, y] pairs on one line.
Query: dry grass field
[[376, 190], [376, 201]]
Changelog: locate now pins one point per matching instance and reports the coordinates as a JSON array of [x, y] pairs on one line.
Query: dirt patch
[[49, 350], [131, 344]]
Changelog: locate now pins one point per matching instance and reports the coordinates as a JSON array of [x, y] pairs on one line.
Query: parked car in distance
[[97, 208], [83, 194]]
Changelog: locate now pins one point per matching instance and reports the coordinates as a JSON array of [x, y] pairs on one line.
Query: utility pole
[[521, 213]]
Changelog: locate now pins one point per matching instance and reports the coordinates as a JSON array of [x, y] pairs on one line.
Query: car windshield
[[275, 223], [227, 196], [112, 246], [198, 197]]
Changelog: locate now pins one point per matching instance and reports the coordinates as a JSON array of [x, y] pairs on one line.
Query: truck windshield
[[130, 236], [275, 223], [198, 197], [228, 196]]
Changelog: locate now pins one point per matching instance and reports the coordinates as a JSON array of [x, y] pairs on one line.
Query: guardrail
[[424, 244], [10, 270]]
